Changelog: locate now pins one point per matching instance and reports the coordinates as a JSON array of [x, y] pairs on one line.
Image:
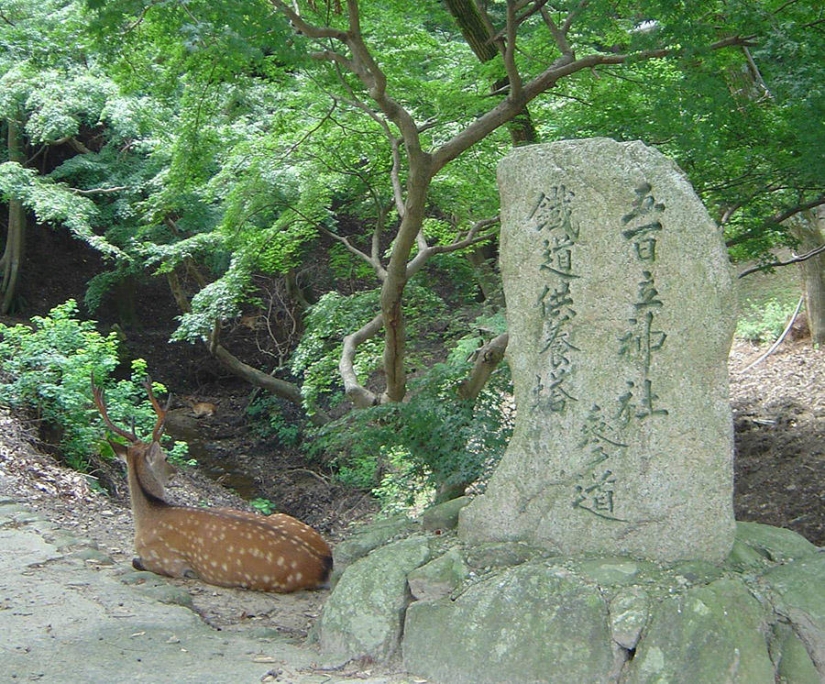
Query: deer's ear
[[119, 449], [159, 464]]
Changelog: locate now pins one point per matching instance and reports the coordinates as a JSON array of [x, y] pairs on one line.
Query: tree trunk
[[479, 36], [392, 290], [808, 229], [12, 258]]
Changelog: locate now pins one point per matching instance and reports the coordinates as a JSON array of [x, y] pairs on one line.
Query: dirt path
[[68, 613]]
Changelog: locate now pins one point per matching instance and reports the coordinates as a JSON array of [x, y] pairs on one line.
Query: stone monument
[[603, 549], [621, 313]]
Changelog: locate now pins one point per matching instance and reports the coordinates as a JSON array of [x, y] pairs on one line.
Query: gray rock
[[629, 613], [485, 557], [439, 578], [794, 664], [371, 537], [713, 633], [506, 612], [604, 548], [364, 615], [443, 516], [756, 545], [621, 314], [529, 624], [797, 590]]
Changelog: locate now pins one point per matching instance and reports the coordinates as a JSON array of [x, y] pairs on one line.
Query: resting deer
[[201, 409], [220, 546]]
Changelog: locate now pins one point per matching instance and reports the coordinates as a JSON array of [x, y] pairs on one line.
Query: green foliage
[[263, 506], [178, 452], [219, 300], [52, 203], [202, 39], [65, 100], [747, 127], [434, 439], [47, 369], [764, 322], [269, 421], [346, 266]]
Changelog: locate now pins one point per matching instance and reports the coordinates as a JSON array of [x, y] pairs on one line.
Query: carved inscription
[[552, 218], [642, 338], [594, 491], [602, 432]]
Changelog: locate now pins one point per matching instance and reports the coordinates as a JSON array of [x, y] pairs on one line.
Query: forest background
[[313, 185]]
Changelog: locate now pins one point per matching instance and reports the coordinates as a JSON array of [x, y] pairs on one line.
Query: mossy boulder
[[491, 613]]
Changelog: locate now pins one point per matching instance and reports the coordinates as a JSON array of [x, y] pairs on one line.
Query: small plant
[[178, 455], [48, 369], [263, 506], [764, 322]]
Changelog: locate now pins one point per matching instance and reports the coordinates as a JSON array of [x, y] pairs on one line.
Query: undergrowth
[[765, 321], [48, 369]]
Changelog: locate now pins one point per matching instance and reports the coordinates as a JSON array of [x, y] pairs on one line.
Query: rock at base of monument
[[759, 618]]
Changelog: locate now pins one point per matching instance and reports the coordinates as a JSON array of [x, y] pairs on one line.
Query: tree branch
[[375, 264], [487, 359], [360, 396], [559, 34], [566, 65], [309, 30], [100, 191], [776, 219], [471, 238], [797, 258], [72, 142]]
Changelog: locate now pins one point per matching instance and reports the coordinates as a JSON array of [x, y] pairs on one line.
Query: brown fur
[[201, 409], [220, 546]]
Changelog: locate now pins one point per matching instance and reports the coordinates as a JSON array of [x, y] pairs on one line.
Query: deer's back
[[234, 548]]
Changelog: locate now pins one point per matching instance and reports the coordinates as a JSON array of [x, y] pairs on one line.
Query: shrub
[[270, 421], [48, 368], [434, 439], [764, 323]]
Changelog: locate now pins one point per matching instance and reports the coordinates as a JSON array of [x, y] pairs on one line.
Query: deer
[[201, 409], [220, 546]]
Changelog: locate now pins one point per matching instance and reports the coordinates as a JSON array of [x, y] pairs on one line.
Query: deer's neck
[[145, 492]]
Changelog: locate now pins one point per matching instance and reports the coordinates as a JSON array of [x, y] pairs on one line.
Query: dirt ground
[[779, 407]]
